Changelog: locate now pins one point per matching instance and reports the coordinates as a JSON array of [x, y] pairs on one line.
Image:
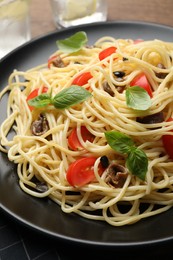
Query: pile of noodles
[[45, 158]]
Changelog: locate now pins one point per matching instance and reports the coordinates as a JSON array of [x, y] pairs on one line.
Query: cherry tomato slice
[[141, 81], [168, 142], [73, 140], [82, 79], [81, 172], [34, 94], [107, 52]]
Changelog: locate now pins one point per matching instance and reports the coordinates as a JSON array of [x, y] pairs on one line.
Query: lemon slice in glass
[[13, 9], [75, 9]]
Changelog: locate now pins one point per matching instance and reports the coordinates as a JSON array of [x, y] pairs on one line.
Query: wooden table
[[156, 11]]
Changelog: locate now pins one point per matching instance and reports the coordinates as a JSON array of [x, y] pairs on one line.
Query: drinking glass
[[14, 24], [75, 12]]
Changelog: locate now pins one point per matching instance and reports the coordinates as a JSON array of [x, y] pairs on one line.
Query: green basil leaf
[[137, 163], [137, 98], [41, 100], [74, 43], [70, 96], [119, 141]]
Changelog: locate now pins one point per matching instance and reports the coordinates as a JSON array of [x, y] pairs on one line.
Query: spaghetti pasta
[[41, 148]]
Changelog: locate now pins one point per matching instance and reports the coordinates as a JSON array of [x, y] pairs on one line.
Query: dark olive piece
[[119, 74], [104, 161], [151, 119], [40, 126], [107, 88]]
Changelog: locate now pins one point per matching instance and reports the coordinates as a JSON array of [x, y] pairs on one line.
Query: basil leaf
[[70, 96], [119, 141], [137, 163], [41, 100], [137, 98], [73, 43]]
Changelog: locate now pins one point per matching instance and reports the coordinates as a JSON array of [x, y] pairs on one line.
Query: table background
[[16, 240], [156, 11]]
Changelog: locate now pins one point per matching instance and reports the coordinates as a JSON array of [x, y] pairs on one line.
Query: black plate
[[44, 215]]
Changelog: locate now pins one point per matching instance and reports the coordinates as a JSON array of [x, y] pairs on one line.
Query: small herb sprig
[[73, 43], [64, 99], [137, 98], [136, 160]]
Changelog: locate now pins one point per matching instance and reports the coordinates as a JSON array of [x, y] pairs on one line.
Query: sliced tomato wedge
[[81, 172], [34, 94], [142, 81], [107, 52], [82, 79], [168, 142], [73, 140]]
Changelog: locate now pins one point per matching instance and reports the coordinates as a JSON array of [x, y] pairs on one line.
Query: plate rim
[[110, 22]]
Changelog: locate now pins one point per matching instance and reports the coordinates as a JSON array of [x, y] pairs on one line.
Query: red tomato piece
[[168, 142], [82, 79], [73, 140], [34, 94], [107, 52], [141, 81], [81, 171], [50, 60]]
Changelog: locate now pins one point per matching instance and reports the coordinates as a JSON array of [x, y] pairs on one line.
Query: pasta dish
[[92, 128]]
